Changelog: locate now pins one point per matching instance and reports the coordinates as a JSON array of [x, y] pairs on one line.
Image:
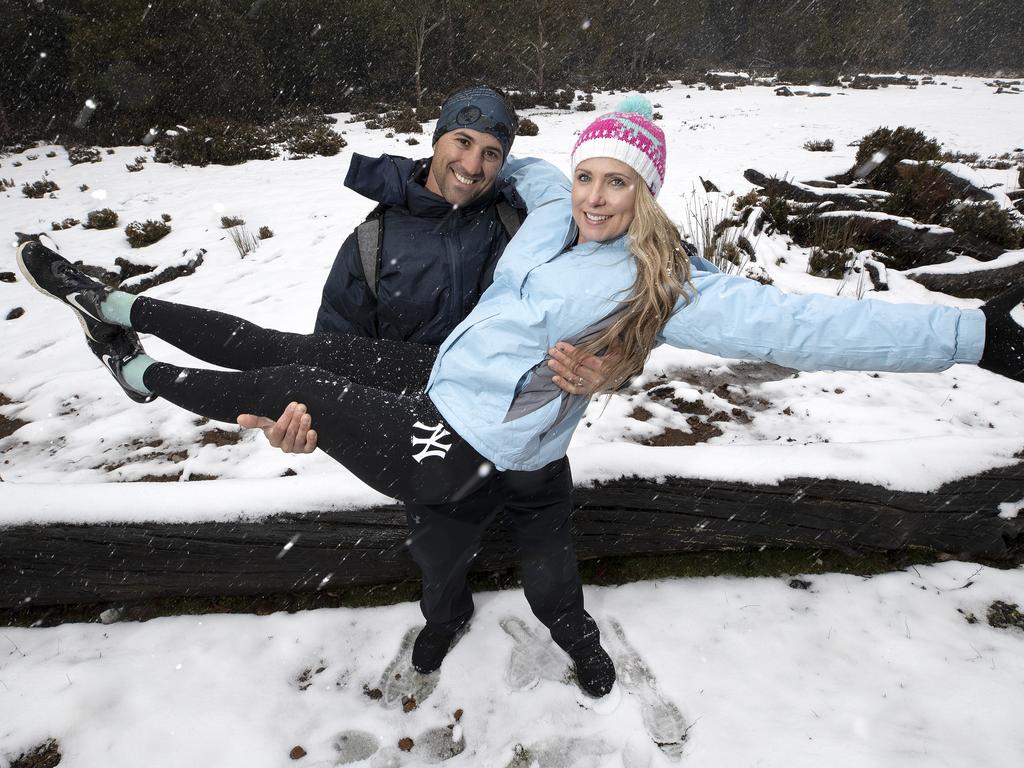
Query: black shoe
[[430, 648], [52, 274], [594, 670], [115, 353]]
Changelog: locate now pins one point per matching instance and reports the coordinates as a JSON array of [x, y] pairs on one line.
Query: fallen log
[[976, 284], [906, 243], [853, 198], [65, 564]]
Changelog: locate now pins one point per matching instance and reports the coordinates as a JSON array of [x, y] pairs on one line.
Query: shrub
[[143, 233], [39, 189], [133, 167], [165, 217], [220, 142], [266, 233], [79, 155], [231, 221], [104, 218], [215, 141], [307, 135], [819, 145], [881, 151], [988, 221], [527, 127], [585, 106], [244, 242], [828, 263], [920, 192], [778, 209], [751, 198], [68, 223], [412, 140], [6, 184]]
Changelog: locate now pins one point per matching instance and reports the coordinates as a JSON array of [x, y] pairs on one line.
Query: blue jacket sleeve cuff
[[970, 337]]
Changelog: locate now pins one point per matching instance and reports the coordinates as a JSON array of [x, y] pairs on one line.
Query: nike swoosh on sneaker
[[72, 299]]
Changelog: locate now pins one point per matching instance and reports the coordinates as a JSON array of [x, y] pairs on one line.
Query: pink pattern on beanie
[[628, 137]]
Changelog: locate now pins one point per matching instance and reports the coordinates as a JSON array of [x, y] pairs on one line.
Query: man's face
[[465, 164]]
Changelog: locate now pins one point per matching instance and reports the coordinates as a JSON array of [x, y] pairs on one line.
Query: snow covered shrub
[[104, 218], [585, 106], [143, 233], [819, 145], [39, 188], [165, 217], [216, 141], [227, 222], [777, 209], [79, 155], [920, 192], [881, 151], [46, 755], [826, 263], [402, 121], [412, 141], [307, 135], [527, 127], [320, 140], [68, 223], [747, 200], [6, 184], [266, 233], [988, 221]]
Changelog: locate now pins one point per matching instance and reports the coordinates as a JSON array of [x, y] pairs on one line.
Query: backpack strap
[[511, 217], [370, 244]]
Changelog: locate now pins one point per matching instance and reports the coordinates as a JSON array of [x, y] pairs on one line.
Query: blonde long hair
[[662, 276]]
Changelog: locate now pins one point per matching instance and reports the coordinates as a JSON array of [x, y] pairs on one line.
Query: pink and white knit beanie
[[629, 135]]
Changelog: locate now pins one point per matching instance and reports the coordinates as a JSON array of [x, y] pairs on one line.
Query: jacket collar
[[398, 181]]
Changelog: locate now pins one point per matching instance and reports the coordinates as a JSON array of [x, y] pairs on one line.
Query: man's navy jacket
[[436, 260]]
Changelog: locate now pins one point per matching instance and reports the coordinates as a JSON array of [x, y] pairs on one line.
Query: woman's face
[[603, 195]]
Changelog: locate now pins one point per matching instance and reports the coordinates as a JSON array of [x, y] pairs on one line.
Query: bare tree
[[428, 17]]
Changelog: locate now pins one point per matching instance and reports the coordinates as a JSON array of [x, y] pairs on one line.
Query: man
[[412, 272]]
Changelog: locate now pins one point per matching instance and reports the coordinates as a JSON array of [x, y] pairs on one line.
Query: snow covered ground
[[884, 672], [878, 672]]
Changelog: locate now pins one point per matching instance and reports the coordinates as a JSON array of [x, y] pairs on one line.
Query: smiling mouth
[[464, 179], [594, 218]]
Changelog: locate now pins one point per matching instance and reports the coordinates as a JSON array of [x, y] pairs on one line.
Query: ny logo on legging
[[431, 444]]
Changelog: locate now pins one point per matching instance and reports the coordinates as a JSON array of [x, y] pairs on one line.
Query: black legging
[[372, 414], [373, 417]]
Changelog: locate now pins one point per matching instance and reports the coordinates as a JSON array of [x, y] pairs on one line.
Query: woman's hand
[[575, 373], [292, 433], [1004, 336]]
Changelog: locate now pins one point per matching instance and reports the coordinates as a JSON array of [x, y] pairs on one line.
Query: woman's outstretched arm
[[736, 317]]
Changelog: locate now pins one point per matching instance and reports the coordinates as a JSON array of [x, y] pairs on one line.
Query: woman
[[598, 264]]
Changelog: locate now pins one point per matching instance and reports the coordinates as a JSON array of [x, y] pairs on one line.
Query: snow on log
[[854, 198], [65, 564]]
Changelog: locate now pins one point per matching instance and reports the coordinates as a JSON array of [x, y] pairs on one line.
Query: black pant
[[374, 418], [445, 541]]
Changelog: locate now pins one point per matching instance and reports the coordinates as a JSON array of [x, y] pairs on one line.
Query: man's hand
[[575, 373], [292, 433]]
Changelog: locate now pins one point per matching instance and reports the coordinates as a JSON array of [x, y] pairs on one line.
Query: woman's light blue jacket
[[490, 380]]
